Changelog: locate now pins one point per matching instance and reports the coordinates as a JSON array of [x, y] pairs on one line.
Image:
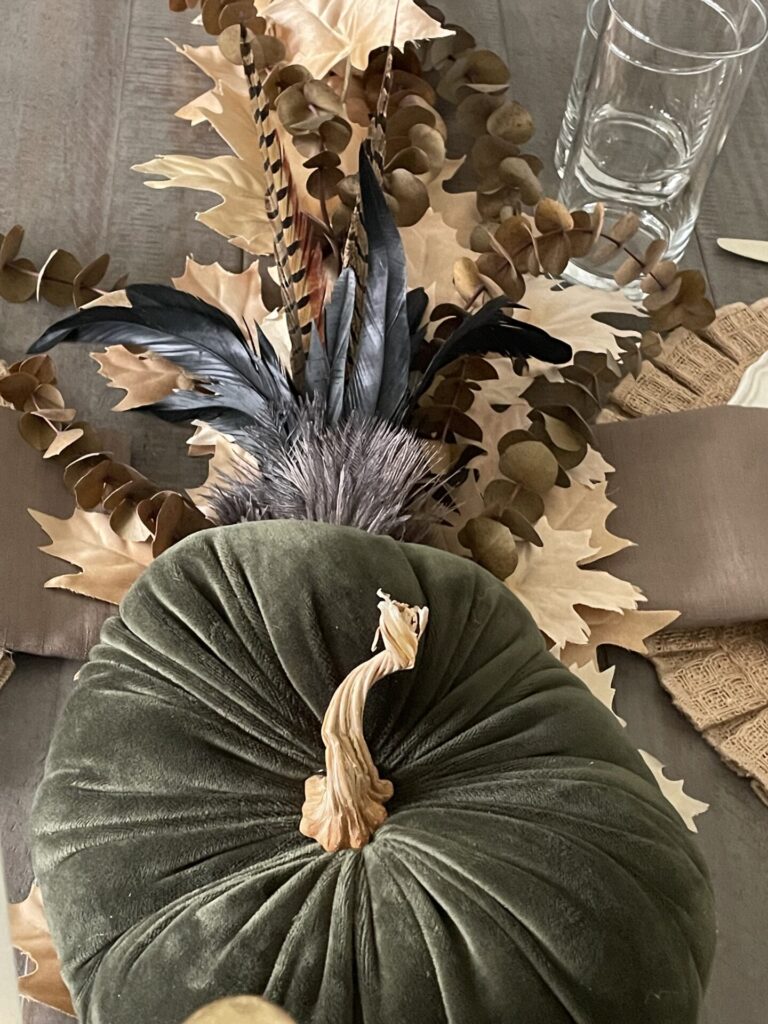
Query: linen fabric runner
[[709, 557]]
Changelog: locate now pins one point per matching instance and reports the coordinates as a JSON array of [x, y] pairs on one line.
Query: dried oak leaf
[[592, 470], [241, 217], [29, 933], [570, 313], [108, 564], [600, 684], [628, 629], [237, 294], [228, 460], [321, 33], [458, 209], [227, 108], [551, 582], [211, 61], [686, 806], [578, 508], [144, 376], [7, 666], [431, 251]]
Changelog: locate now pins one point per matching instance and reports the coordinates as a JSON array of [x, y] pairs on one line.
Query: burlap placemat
[[718, 677]]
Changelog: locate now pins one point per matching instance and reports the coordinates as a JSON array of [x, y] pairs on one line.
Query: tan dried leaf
[[211, 62], [228, 460], [431, 250], [686, 806], [551, 582], [592, 470], [7, 667], [241, 217], [585, 508], [458, 210], [29, 933], [600, 684], [629, 630], [569, 314], [116, 298], [227, 107], [237, 294], [144, 376], [321, 33], [108, 564]]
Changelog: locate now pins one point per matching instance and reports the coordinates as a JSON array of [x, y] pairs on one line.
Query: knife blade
[[749, 248]]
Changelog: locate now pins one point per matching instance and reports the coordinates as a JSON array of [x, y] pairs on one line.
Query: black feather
[[492, 330], [379, 379], [338, 326], [417, 302], [317, 371], [142, 296], [194, 336]]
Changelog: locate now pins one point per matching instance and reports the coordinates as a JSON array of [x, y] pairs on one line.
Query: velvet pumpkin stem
[[343, 808]]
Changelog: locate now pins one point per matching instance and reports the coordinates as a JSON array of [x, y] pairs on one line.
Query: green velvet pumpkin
[[529, 872]]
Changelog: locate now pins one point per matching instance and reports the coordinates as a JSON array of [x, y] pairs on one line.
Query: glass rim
[[757, 6]]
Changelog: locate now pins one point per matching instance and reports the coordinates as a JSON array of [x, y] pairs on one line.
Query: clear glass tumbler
[[666, 81], [584, 61]]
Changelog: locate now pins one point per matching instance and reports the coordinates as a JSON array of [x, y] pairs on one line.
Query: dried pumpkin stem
[[343, 808]]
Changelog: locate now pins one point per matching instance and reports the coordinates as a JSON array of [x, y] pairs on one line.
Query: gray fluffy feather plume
[[360, 472]]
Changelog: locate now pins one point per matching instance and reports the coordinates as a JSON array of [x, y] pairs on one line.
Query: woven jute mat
[[717, 677]]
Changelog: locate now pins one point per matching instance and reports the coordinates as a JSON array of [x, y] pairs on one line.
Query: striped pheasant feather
[[298, 258], [355, 253], [377, 133]]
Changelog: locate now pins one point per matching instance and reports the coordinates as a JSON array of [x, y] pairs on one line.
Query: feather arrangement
[[330, 437], [297, 258]]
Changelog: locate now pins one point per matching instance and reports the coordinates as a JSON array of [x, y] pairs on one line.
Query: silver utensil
[[749, 248]]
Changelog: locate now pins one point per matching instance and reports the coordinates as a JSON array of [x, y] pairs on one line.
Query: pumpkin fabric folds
[[530, 871]]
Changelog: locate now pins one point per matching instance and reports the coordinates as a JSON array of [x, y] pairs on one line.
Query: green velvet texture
[[530, 871]]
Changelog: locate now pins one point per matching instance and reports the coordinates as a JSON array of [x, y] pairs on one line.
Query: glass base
[[584, 271]]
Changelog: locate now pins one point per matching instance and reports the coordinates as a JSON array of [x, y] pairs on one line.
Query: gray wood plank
[[736, 200], [150, 231], [59, 103]]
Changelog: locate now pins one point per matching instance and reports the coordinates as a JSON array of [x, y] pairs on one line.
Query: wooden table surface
[[88, 88]]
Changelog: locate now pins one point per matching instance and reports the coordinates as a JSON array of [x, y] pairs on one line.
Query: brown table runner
[[717, 676]]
